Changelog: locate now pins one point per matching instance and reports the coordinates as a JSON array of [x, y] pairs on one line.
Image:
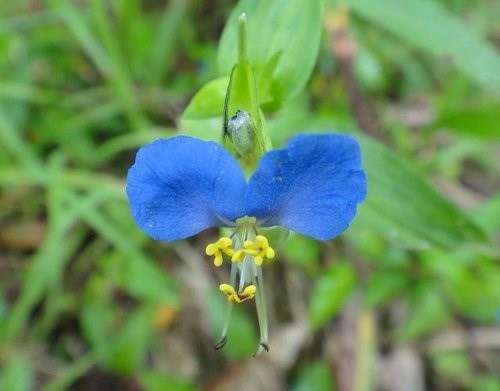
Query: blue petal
[[312, 186], [180, 186]]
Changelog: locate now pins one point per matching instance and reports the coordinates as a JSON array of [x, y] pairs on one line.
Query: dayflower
[[180, 186]]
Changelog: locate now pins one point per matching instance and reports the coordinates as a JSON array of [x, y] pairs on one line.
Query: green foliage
[[400, 196], [282, 61], [476, 121], [84, 84], [208, 101], [314, 377], [153, 381], [455, 367], [17, 375], [242, 337], [303, 252], [331, 290], [427, 312], [401, 202], [430, 27]]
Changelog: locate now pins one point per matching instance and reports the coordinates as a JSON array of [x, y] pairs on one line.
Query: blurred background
[[407, 299]]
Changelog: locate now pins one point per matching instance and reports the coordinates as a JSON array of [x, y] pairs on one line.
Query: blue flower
[[180, 186]]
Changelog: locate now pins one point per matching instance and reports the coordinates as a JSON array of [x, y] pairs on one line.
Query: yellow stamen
[[259, 248], [238, 255], [221, 246], [238, 297]]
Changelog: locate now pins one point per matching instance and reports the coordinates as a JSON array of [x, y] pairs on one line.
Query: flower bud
[[241, 131]]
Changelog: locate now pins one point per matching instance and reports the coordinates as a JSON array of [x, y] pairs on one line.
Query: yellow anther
[[238, 297], [259, 248], [238, 255], [221, 246]]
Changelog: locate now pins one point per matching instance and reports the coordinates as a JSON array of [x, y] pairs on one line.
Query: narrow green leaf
[[331, 290], [127, 348], [16, 375], [118, 348], [119, 73], [78, 25], [137, 273], [479, 122], [48, 263], [429, 26], [145, 280], [96, 312], [165, 41], [402, 204], [12, 143]]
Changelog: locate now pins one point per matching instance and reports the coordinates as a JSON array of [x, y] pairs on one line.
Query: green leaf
[[204, 129], [48, 263], [402, 204], [455, 368], [165, 41], [78, 25], [427, 312], [316, 376], [283, 43], [329, 293], [429, 26], [145, 280], [16, 375], [120, 349], [96, 313], [154, 381], [126, 349], [486, 382], [476, 293], [383, 285], [479, 122], [302, 251], [208, 102], [487, 214]]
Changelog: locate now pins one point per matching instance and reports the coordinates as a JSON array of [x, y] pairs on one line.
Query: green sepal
[[242, 96]]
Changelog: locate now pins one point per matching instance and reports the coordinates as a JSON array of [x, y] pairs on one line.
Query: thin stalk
[[223, 336], [227, 317], [260, 302]]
